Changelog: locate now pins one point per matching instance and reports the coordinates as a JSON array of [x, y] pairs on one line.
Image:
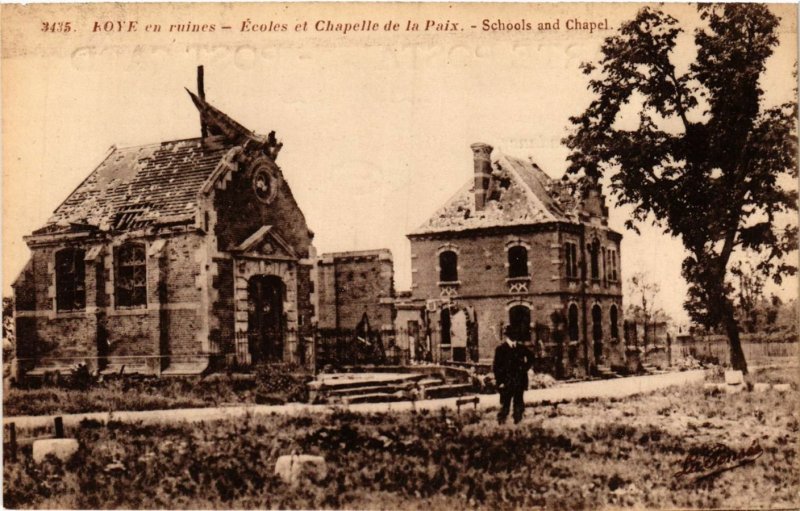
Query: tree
[[642, 306], [751, 293], [8, 327], [707, 159]]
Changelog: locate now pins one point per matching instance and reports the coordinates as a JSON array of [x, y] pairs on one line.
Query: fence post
[[59, 426]]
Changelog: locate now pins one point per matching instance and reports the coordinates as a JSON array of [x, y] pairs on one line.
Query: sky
[[376, 126]]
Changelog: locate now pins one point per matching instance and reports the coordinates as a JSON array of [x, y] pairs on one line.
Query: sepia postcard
[[400, 256]]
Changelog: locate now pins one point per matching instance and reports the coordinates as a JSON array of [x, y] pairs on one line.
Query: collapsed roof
[[156, 184], [521, 194]]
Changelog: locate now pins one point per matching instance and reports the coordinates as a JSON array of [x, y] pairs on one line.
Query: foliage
[[758, 312], [708, 158], [563, 456], [82, 392], [8, 324], [643, 292], [278, 383]]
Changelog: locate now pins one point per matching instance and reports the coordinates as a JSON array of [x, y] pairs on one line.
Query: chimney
[[481, 155], [201, 91]]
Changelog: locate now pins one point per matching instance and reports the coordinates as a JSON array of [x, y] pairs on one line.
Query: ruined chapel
[[171, 258]]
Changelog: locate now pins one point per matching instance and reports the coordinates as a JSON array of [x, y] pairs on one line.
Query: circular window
[[264, 184]]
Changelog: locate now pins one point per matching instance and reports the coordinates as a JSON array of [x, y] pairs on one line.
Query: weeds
[[81, 392], [581, 457]]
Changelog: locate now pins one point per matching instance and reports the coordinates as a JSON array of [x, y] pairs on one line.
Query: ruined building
[[185, 256], [171, 258], [352, 284], [515, 247]]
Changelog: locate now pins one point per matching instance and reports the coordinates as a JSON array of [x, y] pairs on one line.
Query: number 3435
[[57, 26]]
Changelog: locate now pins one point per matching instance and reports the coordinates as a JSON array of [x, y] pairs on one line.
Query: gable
[[265, 242]]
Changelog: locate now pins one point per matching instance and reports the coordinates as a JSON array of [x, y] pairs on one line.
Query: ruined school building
[[171, 258], [515, 247]]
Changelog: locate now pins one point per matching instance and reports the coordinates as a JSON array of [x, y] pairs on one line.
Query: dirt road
[[620, 387]]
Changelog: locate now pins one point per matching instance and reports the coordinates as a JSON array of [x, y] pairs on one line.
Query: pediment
[[267, 243]]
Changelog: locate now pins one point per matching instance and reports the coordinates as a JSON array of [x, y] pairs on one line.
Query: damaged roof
[[139, 186], [135, 187], [522, 194]]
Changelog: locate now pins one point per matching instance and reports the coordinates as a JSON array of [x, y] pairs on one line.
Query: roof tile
[[146, 183]]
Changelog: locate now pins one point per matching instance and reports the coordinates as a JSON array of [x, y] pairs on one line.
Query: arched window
[[572, 321], [519, 317], [70, 279], [517, 261], [130, 275], [597, 325], [448, 266], [614, 328], [594, 252]]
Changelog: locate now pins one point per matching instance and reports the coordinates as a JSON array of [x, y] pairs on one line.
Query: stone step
[[371, 389], [448, 390], [328, 382], [427, 382], [376, 397]]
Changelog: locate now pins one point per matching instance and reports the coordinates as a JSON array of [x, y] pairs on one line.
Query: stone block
[[733, 389], [61, 448], [291, 467], [734, 377], [760, 387], [782, 387]]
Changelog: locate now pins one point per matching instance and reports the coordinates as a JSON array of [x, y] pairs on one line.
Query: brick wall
[[172, 304], [223, 307], [66, 337], [483, 282], [133, 333], [240, 214], [483, 263], [352, 283], [305, 309]]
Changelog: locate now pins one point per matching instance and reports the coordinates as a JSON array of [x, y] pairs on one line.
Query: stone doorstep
[[355, 380]]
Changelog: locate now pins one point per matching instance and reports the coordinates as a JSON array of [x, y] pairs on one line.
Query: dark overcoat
[[511, 366]]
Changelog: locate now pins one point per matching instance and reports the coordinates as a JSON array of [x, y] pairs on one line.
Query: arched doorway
[[265, 294], [519, 317], [572, 322], [597, 332]]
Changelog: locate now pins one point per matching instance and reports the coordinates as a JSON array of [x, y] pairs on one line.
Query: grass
[[580, 455], [269, 385]]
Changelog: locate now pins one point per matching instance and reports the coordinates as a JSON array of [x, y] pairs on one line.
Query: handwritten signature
[[706, 461]]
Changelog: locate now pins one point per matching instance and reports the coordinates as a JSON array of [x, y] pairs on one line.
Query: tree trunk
[[732, 328]]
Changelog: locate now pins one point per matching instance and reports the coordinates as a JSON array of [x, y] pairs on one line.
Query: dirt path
[[617, 388]]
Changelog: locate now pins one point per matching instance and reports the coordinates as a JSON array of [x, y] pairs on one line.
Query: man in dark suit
[[511, 363]]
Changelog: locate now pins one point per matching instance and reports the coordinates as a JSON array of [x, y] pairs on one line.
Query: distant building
[[515, 247], [351, 284]]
